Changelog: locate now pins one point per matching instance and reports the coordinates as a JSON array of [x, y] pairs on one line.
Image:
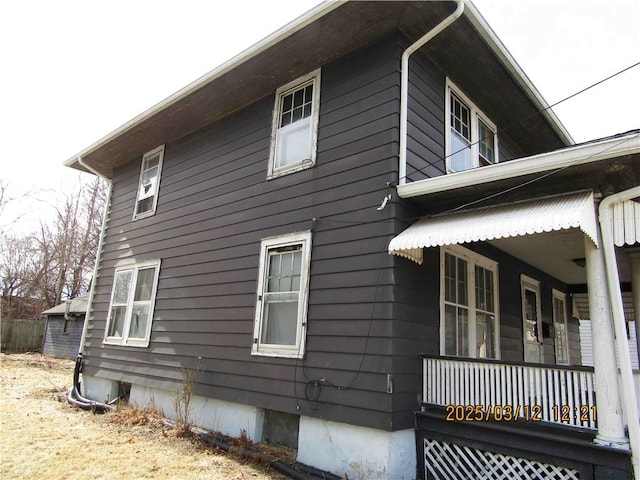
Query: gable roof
[[325, 33]]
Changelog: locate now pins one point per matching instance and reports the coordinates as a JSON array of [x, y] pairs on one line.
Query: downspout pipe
[[404, 83], [92, 289], [75, 396], [629, 404]]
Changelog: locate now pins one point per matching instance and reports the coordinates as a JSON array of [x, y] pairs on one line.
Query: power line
[[539, 112]]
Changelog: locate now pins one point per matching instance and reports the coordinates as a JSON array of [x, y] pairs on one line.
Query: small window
[[561, 339], [283, 284], [469, 304], [471, 139], [295, 126], [147, 197], [132, 303]]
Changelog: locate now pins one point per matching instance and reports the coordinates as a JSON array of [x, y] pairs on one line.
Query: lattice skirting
[[448, 461]]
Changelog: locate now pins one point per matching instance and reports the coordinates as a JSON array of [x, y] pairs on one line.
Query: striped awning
[[529, 217]]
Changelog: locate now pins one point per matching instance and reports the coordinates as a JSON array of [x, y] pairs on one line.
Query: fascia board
[[489, 36], [577, 155]]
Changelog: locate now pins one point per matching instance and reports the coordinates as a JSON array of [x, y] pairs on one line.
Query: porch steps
[[300, 471]]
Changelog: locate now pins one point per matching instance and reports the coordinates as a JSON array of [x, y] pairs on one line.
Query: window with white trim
[[561, 339], [283, 290], [295, 125], [470, 137], [469, 325], [132, 303], [148, 184]]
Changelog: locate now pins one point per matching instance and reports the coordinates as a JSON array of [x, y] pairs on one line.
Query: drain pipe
[[92, 289], [404, 83], [629, 403], [75, 396]]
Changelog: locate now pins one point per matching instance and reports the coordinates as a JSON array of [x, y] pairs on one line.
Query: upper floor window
[[471, 139], [147, 197], [295, 125], [283, 285], [132, 302]]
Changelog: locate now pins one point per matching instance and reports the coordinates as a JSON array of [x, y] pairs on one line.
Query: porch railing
[[482, 390]]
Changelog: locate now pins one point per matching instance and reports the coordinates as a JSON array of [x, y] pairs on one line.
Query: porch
[[491, 419]]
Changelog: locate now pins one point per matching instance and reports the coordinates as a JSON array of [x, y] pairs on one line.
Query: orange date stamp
[[582, 414]]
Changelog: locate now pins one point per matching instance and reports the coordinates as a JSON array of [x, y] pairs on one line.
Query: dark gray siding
[[215, 205], [417, 315], [426, 122], [59, 344]]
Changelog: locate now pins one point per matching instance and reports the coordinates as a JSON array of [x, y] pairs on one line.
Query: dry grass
[[41, 436]]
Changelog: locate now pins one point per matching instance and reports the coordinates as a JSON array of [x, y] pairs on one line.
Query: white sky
[[74, 70]]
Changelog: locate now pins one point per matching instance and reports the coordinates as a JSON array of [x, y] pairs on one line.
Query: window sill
[[293, 168], [122, 343], [278, 354]]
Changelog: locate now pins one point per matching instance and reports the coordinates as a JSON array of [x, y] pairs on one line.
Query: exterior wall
[[417, 307], [59, 344], [357, 453], [426, 122], [215, 205]]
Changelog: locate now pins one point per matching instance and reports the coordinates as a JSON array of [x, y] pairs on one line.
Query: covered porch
[[481, 381]]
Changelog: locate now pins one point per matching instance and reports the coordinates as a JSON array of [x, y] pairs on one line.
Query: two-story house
[[250, 222]]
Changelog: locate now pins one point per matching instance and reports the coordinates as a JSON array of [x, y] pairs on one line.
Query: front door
[[531, 320]]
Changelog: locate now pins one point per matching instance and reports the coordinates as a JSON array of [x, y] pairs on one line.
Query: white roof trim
[[548, 214], [486, 32], [576, 155], [267, 42]]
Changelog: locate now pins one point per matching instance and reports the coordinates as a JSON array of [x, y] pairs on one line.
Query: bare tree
[[56, 261], [67, 246]]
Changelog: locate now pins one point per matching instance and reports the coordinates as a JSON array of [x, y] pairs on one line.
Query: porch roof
[[561, 212]]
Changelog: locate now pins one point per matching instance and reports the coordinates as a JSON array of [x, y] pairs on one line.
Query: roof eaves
[[489, 36], [289, 29]]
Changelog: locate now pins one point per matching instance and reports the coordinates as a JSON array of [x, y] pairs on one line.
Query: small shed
[[64, 328]]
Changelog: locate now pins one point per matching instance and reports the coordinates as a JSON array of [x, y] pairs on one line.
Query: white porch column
[[634, 256], [609, 410]]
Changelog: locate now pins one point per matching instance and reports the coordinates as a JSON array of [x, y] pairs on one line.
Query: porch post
[[610, 423], [634, 255]]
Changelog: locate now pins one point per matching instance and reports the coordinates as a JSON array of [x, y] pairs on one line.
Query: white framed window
[[470, 137], [295, 126], [283, 291], [469, 318], [148, 184], [561, 329], [132, 303]]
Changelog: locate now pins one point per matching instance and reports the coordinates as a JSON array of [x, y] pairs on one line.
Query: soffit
[[346, 28], [604, 176]]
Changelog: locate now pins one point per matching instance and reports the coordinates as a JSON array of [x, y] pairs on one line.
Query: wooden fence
[[20, 336]]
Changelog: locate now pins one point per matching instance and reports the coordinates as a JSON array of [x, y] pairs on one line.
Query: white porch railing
[[482, 390]]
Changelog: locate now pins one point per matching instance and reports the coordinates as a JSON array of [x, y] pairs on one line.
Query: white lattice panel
[[447, 461]]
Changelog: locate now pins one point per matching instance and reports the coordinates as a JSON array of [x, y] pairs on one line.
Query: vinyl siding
[[62, 345], [215, 205]]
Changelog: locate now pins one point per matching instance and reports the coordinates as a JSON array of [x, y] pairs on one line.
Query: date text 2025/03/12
[[510, 413]]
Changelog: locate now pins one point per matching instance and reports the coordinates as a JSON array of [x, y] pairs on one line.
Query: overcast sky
[[73, 71]]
